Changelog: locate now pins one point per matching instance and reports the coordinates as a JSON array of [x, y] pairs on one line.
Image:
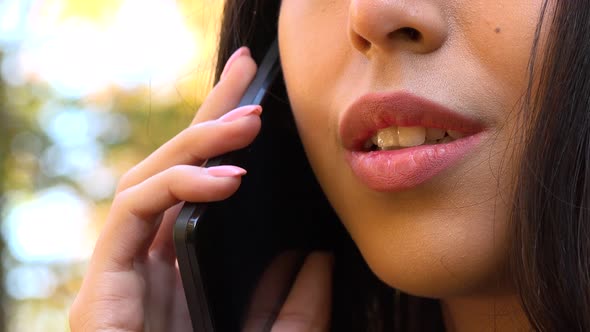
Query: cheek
[[306, 28], [313, 71], [500, 35], [445, 238]]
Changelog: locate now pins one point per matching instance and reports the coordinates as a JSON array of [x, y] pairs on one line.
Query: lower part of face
[[447, 235]]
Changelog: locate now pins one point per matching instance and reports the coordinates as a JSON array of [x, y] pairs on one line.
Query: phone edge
[[188, 267], [187, 220]]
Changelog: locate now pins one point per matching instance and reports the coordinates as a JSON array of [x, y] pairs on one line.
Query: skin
[[445, 238], [132, 282]]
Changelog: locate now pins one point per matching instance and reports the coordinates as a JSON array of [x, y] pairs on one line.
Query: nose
[[415, 25]]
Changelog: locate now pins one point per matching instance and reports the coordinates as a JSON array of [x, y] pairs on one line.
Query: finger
[[227, 93], [197, 143], [163, 271], [160, 277], [162, 246], [270, 290], [308, 305], [132, 220]]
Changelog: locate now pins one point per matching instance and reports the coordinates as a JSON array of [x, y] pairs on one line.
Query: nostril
[[406, 33], [361, 43]]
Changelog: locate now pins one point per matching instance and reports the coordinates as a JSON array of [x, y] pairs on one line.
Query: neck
[[489, 313]]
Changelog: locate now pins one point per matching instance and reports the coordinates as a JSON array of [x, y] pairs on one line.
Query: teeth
[[455, 134], [447, 139], [432, 134], [386, 138], [411, 136], [396, 137]]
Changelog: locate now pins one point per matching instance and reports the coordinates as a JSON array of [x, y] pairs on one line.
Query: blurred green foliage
[[79, 146], [149, 125], [3, 157]]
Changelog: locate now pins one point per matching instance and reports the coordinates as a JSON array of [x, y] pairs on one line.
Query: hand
[[308, 306], [133, 283]]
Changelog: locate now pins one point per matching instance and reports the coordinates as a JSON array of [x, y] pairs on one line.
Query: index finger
[[227, 93], [136, 212]]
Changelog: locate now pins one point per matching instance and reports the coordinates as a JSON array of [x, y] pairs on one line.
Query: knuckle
[[202, 140], [122, 198], [193, 139], [126, 180], [180, 176], [123, 201], [240, 135], [176, 171], [196, 129]]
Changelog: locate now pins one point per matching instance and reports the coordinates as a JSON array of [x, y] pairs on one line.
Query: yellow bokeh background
[[87, 89]]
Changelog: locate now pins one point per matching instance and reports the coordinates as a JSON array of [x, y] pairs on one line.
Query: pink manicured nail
[[238, 53], [241, 112], [225, 171]]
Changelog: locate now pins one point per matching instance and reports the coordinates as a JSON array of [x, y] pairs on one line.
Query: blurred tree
[[4, 151], [122, 124]]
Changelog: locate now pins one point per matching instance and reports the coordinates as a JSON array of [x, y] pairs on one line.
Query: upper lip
[[375, 111]]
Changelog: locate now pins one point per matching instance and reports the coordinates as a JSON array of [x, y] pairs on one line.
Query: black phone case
[[278, 213], [189, 221]]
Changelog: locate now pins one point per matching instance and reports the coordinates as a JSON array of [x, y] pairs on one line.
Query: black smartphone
[[239, 257]]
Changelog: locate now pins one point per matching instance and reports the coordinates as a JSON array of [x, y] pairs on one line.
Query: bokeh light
[[48, 227], [89, 88]]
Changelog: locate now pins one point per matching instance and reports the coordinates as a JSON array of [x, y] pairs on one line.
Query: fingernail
[[241, 112], [225, 171], [238, 53]]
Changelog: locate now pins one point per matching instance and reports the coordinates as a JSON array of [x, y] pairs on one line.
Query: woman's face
[[430, 219]]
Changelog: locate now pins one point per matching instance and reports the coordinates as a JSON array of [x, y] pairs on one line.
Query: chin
[[433, 256]]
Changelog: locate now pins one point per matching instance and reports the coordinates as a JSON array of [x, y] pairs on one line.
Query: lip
[[396, 170]]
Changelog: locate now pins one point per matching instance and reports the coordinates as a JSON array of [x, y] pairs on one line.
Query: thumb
[[308, 306]]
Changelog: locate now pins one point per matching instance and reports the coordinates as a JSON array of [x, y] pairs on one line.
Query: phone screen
[[244, 252]]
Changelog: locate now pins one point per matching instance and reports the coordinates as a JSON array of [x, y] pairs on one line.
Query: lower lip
[[397, 170]]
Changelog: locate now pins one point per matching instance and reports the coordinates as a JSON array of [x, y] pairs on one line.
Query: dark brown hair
[[550, 216]]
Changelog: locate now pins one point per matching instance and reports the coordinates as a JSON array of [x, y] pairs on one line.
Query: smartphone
[[239, 257]]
